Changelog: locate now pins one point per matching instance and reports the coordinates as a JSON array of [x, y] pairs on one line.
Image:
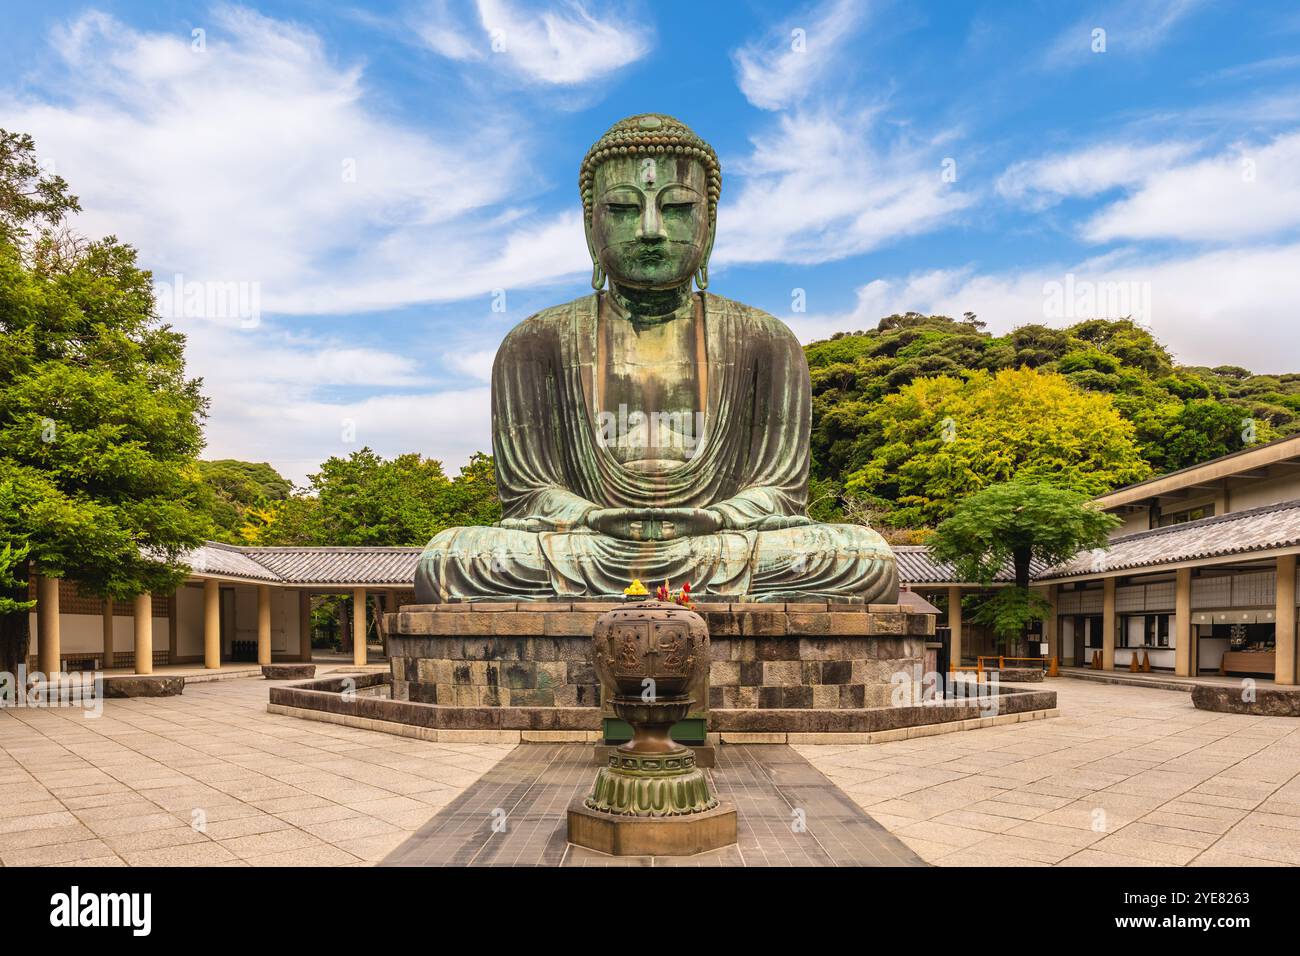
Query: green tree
[[366, 500], [234, 494], [99, 424], [1181, 414], [1017, 523], [941, 439]]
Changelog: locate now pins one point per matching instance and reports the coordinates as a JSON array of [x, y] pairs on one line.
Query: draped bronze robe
[[750, 463]]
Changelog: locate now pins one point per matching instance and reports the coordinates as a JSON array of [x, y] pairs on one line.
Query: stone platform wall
[[768, 656]]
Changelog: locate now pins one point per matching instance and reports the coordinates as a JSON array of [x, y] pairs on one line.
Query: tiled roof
[[1260, 529], [917, 566], [392, 567], [226, 559], [1240, 532], [341, 565]]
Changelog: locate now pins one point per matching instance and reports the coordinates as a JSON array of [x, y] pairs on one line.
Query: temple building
[[1199, 578]]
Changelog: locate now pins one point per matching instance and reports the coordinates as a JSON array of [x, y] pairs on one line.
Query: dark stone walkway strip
[[789, 814]]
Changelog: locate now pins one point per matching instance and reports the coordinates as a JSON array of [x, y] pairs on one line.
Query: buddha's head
[[650, 198]]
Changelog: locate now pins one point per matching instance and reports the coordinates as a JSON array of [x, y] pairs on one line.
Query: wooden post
[[1051, 629], [1108, 622], [954, 625], [304, 625], [47, 625], [173, 626], [212, 624], [143, 613], [1284, 620], [1184, 651], [263, 624], [359, 626], [106, 625]]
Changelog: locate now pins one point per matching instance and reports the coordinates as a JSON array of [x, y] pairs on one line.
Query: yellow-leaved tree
[[941, 439]]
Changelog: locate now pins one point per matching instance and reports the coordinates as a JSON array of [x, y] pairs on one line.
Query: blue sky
[[375, 179]]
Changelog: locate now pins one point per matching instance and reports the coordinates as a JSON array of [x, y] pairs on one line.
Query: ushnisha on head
[[650, 190]]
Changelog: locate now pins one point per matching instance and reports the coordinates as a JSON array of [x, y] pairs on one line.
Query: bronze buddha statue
[[648, 430]]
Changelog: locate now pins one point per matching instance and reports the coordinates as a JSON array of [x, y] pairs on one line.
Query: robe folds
[[750, 464]]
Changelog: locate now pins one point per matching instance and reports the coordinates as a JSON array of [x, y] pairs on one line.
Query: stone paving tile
[[124, 788], [1125, 776]]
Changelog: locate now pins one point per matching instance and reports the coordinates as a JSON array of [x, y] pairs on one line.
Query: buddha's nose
[[652, 224]]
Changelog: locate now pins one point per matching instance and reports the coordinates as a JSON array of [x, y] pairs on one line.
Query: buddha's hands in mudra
[[653, 524]]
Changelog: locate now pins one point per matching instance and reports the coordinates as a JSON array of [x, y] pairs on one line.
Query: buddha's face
[[650, 220]]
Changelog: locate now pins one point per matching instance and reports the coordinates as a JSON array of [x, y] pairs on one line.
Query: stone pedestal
[[762, 656], [652, 836]]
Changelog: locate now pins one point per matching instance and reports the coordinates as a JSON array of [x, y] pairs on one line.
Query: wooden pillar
[[304, 625], [47, 625], [1108, 622], [106, 625], [1284, 620], [954, 624], [263, 624], [359, 626], [173, 626], [1050, 628], [345, 627], [211, 624], [143, 613], [1184, 641]]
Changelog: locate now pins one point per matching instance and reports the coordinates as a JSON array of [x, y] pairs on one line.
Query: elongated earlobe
[[702, 273], [597, 276]]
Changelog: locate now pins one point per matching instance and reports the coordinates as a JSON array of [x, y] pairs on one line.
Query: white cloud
[[1232, 306], [1040, 183], [565, 46], [816, 189], [288, 399], [780, 69], [261, 160], [227, 166], [476, 364], [1134, 26], [1246, 192]]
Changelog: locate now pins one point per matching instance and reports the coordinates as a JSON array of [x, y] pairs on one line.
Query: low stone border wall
[[1021, 675], [1226, 699], [325, 700], [879, 719]]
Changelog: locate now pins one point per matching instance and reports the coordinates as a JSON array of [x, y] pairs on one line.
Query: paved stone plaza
[[1125, 776], [123, 788]]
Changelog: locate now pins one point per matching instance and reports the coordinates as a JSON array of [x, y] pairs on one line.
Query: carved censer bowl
[[649, 652], [649, 641]]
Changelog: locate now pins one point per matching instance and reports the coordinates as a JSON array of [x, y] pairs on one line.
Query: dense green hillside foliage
[[232, 493], [1179, 415]]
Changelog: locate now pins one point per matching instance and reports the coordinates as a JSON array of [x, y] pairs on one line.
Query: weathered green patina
[[648, 430]]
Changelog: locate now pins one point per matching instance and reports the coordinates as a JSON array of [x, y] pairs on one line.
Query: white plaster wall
[[80, 633], [1267, 492], [189, 621]]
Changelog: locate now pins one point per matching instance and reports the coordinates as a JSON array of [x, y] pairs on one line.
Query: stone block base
[[1264, 702], [812, 656], [652, 836], [288, 671], [144, 685], [1020, 675]]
